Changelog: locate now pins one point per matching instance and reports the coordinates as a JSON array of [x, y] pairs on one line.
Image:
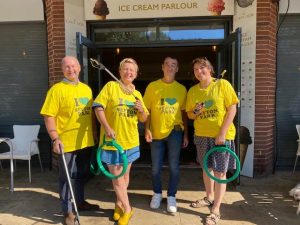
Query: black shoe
[[85, 206]]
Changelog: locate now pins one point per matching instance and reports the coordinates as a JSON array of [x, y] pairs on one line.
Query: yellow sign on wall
[[135, 9]]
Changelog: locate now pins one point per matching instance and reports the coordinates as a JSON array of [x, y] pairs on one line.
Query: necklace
[[128, 89]]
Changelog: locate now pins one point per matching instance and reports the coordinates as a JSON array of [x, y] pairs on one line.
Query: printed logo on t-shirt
[[167, 105], [81, 106], [207, 112], [208, 104], [126, 108]]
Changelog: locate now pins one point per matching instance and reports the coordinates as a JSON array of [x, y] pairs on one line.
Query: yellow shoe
[[117, 213], [124, 219]]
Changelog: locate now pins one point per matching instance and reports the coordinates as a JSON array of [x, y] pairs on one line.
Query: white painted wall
[[75, 22], [21, 10], [293, 8], [246, 19]]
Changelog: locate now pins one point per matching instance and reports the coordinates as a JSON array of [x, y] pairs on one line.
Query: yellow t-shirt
[[165, 102], [120, 114], [71, 106], [216, 98]]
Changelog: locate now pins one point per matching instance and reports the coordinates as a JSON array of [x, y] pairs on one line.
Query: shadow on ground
[[256, 201]]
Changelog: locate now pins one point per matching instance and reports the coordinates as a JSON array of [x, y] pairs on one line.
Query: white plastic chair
[[298, 151], [24, 145]]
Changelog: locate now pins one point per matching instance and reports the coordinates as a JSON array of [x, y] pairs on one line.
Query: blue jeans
[[78, 167], [173, 142]]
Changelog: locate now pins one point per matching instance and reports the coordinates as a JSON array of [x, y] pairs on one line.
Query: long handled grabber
[[70, 185], [98, 65]]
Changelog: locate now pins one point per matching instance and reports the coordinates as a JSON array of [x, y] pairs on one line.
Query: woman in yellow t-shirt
[[212, 105], [118, 108]]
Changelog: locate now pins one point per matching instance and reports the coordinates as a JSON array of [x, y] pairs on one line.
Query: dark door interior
[[149, 61], [223, 56]]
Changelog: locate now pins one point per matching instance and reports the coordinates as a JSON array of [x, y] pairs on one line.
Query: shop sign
[[135, 9]]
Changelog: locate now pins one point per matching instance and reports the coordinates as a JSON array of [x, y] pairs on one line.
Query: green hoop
[[100, 164], [222, 148]]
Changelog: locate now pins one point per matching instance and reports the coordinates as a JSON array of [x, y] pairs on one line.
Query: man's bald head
[[71, 68]]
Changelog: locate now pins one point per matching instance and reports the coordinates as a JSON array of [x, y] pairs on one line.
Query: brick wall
[[55, 18], [56, 38], [265, 87]]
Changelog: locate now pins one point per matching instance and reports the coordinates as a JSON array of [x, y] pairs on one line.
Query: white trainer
[[171, 208], [155, 201]]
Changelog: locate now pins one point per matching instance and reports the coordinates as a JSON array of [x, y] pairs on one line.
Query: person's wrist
[[196, 111], [55, 140]]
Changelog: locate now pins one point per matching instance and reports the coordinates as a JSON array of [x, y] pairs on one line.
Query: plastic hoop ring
[[222, 148], [100, 164]]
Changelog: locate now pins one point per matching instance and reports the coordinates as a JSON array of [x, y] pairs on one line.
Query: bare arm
[[191, 115], [231, 111], [110, 133], [148, 133], [141, 114], [51, 129], [94, 128], [185, 132]]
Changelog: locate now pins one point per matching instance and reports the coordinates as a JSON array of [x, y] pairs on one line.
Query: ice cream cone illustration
[[244, 3], [103, 17], [216, 7], [215, 13], [101, 10]]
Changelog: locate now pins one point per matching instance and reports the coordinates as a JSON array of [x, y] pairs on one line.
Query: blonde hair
[[203, 61], [129, 60]]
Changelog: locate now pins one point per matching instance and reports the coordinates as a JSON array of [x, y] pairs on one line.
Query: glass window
[[127, 34], [159, 31], [190, 33]]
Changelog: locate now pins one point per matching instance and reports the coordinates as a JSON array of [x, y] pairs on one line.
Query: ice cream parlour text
[[162, 6]]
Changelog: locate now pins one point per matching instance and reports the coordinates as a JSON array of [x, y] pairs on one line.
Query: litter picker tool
[[222, 74], [70, 184], [98, 65]]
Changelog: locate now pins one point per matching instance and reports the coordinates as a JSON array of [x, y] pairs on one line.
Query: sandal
[[202, 203], [124, 219], [212, 219], [118, 212]]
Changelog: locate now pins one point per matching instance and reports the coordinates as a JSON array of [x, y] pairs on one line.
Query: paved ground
[[261, 201]]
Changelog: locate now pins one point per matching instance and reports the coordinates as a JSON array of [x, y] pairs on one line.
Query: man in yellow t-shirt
[[167, 124], [68, 118]]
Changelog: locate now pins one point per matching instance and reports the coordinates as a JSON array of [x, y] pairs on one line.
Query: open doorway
[[150, 61], [149, 42]]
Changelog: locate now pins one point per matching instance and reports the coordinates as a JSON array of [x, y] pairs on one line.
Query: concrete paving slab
[[261, 201]]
